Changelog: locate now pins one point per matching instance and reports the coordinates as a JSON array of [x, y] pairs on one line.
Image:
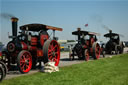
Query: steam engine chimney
[[110, 31], [78, 29], [14, 26]]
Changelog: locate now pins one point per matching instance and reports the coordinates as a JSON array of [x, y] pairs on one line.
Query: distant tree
[[1, 43]]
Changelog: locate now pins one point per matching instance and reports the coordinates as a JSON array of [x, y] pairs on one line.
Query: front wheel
[[96, 50], [24, 61]]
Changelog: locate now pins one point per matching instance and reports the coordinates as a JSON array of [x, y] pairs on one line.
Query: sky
[[67, 14]]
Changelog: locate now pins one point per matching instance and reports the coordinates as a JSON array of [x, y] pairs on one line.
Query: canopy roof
[[111, 34], [84, 33], [38, 27], [80, 32]]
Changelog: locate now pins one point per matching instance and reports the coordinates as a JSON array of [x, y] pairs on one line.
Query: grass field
[[107, 71]]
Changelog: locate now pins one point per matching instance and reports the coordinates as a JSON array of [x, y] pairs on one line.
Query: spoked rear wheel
[[96, 50], [24, 61], [51, 52]]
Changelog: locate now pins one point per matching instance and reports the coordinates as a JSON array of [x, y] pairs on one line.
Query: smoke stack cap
[[14, 19], [78, 29]]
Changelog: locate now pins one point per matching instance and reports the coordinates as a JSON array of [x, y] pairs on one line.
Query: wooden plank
[[54, 28], [93, 33]]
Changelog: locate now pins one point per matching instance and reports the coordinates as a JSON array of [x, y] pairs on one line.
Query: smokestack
[[78, 29], [14, 26], [110, 31]]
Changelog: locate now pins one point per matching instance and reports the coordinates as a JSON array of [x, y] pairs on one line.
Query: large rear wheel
[[51, 51], [24, 61], [96, 50]]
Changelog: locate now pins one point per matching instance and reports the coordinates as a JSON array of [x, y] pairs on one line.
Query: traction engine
[[113, 44], [32, 45], [85, 47]]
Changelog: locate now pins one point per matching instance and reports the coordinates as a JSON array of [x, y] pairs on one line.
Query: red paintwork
[[85, 46], [43, 38], [39, 53], [91, 50], [92, 41], [0, 53], [87, 42], [24, 46], [33, 40], [32, 48]]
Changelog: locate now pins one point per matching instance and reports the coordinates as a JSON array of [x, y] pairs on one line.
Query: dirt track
[[64, 61]]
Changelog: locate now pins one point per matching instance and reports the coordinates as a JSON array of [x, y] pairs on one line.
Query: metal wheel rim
[[54, 52], [25, 62]]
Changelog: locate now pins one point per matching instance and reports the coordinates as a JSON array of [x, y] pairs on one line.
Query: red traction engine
[[86, 45], [32, 45]]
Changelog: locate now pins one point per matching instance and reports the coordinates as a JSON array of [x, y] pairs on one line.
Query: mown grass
[[107, 71]]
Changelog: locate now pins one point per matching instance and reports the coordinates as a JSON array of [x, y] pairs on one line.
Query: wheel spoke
[[51, 45], [55, 59], [21, 64], [49, 54], [22, 61], [54, 47], [27, 65], [50, 57], [49, 50], [27, 59], [23, 57], [22, 67], [56, 53]]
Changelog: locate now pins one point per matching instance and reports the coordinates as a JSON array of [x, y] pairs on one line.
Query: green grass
[[107, 71]]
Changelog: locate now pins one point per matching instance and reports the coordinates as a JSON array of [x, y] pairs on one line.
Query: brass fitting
[[14, 19]]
